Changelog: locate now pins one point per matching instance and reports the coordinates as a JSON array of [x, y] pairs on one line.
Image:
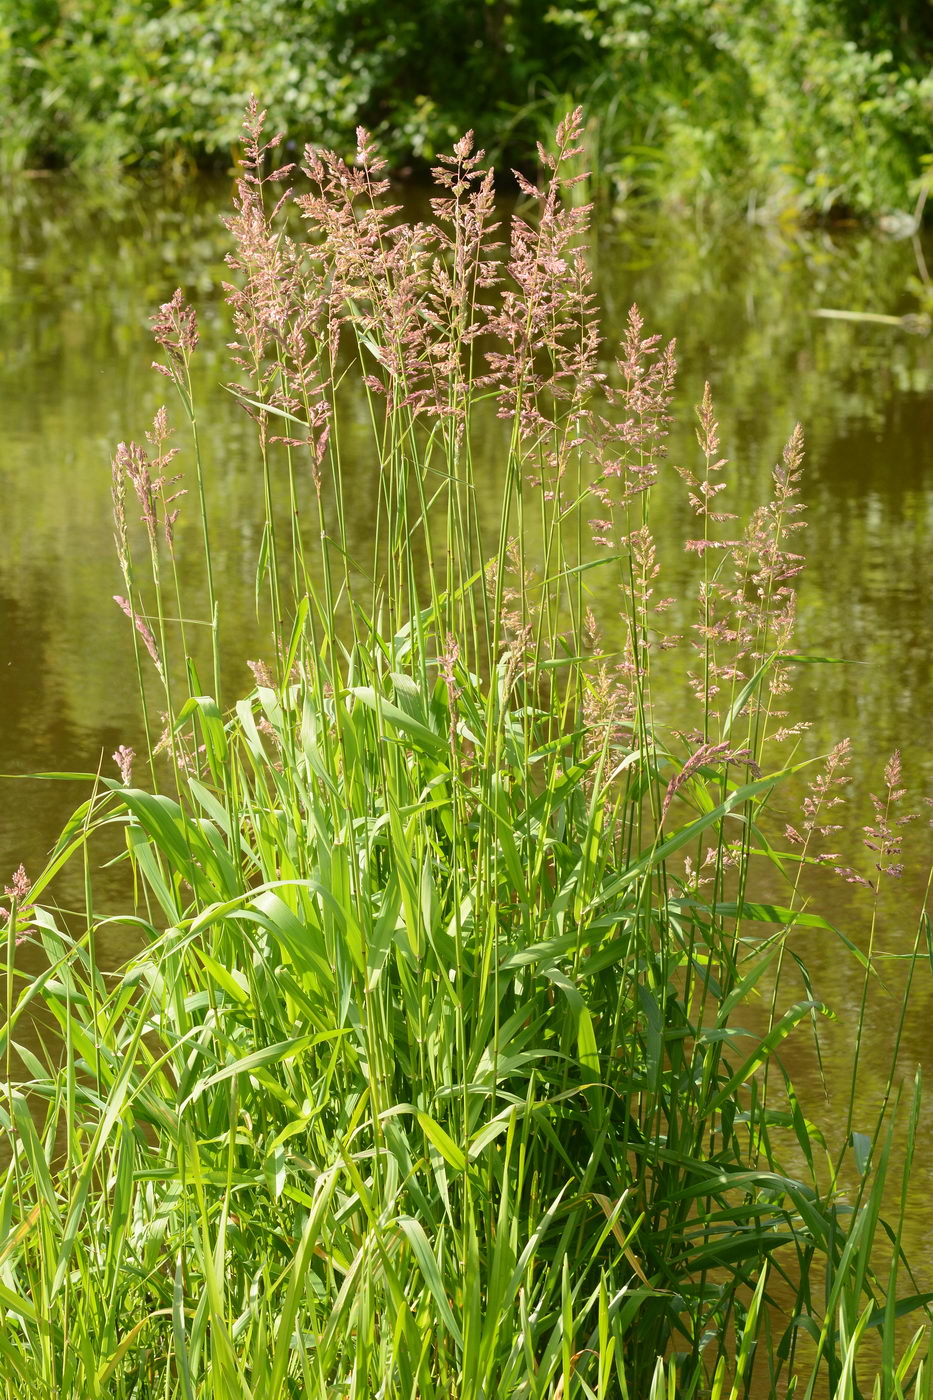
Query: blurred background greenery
[[788, 108]]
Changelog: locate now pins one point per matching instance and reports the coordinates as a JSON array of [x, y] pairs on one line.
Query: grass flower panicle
[[124, 758]]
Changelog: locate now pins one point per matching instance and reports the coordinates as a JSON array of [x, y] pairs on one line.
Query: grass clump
[[449, 1063]]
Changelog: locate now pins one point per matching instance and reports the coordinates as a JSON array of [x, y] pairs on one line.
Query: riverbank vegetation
[[784, 109], [456, 1056]]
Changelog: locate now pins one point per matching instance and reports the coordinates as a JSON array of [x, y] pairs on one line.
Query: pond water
[[81, 272]]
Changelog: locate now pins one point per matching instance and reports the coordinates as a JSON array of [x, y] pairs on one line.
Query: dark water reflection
[[79, 277]]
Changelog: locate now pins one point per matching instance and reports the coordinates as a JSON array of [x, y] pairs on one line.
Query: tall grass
[[450, 1061]]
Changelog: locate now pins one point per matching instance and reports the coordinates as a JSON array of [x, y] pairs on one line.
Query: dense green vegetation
[[454, 1060], [780, 105]]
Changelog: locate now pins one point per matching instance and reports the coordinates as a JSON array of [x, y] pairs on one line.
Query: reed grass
[[450, 1060]]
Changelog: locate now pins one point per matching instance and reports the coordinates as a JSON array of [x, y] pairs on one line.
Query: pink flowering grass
[[452, 1061]]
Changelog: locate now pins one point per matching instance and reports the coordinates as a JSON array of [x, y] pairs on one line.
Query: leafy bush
[[796, 104], [804, 107], [137, 79]]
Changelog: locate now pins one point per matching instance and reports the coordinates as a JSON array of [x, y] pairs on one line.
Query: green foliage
[[792, 106], [440, 1071], [796, 106], [96, 82]]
